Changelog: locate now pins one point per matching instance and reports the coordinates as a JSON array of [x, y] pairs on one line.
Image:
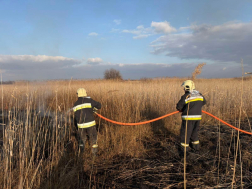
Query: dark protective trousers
[[192, 137], [83, 134]]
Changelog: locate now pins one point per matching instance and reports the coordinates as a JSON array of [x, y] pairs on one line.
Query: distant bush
[[112, 74]]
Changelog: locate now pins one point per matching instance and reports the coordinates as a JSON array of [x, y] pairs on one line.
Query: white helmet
[[81, 92], [188, 85]]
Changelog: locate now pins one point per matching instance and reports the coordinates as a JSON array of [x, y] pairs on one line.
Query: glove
[[95, 110]]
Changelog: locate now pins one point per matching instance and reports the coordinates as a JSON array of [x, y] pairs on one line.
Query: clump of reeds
[[197, 70]]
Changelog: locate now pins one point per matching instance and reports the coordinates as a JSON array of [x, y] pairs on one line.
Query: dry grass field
[[39, 150]]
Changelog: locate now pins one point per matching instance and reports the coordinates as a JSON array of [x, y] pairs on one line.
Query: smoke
[[42, 106], [44, 96]]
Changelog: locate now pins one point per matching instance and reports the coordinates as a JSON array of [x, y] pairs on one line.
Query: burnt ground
[[162, 167]]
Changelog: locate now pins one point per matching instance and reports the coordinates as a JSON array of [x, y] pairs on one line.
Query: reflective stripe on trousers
[[185, 145], [86, 125], [95, 146], [195, 142]]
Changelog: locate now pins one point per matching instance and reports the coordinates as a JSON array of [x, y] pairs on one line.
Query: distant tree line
[[7, 82]]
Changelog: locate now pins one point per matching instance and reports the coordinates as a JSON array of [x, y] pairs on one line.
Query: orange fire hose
[[246, 132], [167, 115], [139, 123]]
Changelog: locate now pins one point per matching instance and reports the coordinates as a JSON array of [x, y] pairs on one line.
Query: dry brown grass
[[39, 155]]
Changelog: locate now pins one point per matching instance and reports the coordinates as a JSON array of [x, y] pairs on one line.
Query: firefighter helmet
[[188, 85], [81, 92]]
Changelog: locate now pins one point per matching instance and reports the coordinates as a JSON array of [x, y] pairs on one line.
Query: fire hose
[[167, 115]]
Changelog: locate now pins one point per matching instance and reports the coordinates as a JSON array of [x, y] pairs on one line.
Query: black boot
[[94, 149], [81, 148], [195, 147], [181, 151]]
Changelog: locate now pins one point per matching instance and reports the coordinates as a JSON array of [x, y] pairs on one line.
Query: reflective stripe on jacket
[[193, 99], [83, 111], [191, 117]]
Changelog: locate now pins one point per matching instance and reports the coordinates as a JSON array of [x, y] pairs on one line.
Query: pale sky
[[60, 39]]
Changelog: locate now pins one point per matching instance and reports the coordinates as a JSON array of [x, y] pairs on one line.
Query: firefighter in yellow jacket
[[190, 105], [84, 118]]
